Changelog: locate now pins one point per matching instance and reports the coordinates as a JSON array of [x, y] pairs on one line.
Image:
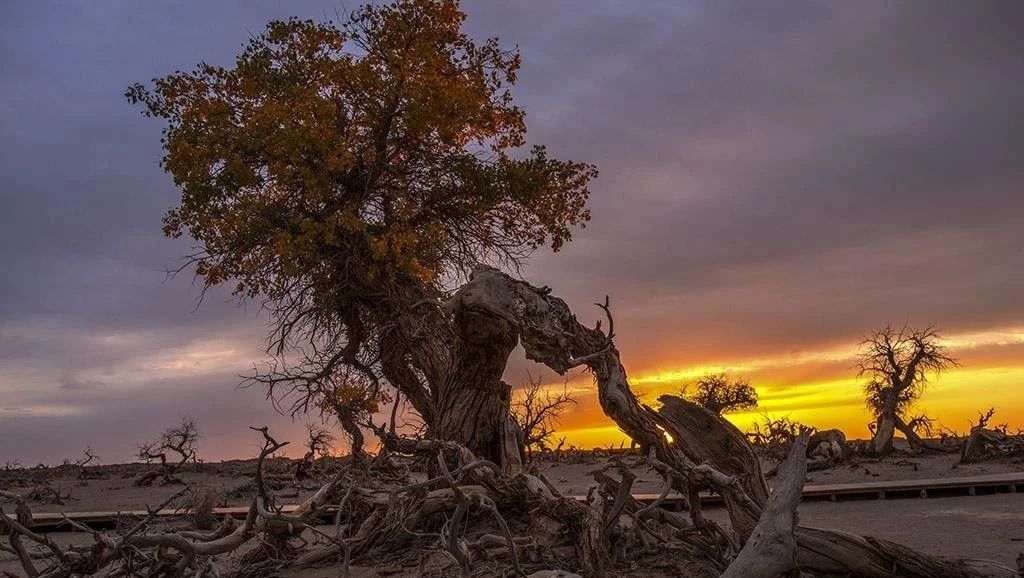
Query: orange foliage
[[376, 151]]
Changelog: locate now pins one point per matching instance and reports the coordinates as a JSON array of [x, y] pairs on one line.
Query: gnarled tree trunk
[[885, 430], [707, 438], [356, 434], [473, 403]]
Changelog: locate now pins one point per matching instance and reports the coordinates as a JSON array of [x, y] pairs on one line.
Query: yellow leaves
[[352, 398], [351, 155]]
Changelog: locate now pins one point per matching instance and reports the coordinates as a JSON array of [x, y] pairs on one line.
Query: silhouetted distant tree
[[175, 447], [537, 411], [352, 401], [718, 393], [319, 441], [774, 435], [899, 364]]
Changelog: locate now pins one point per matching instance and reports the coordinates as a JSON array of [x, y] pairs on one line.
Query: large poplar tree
[[348, 175]]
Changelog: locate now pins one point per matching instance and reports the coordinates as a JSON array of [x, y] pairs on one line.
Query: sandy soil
[[110, 488], [989, 526], [575, 478]]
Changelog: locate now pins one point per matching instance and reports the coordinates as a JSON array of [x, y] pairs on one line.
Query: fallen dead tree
[[985, 442], [144, 550], [771, 549], [471, 517]]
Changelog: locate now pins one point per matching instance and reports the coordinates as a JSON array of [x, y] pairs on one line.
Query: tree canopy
[[718, 393], [347, 173], [898, 364]]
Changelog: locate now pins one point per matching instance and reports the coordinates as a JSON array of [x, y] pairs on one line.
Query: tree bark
[[707, 437], [356, 434], [885, 429], [473, 402], [771, 550]]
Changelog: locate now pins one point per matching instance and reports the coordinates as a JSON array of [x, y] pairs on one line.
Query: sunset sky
[[777, 179]]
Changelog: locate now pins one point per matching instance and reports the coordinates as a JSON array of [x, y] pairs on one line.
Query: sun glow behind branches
[[992, 375]]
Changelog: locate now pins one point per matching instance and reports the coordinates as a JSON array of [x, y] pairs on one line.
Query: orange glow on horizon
[[992, 376]]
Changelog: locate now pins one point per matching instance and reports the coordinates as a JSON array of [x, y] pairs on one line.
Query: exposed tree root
[[474, 517]]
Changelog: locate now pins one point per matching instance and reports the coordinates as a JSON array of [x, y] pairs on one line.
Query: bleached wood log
[[770, 551]]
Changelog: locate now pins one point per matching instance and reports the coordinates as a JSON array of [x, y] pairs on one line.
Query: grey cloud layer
[[774, 176]]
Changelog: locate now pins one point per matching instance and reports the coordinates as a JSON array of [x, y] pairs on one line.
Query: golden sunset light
[[820, 388], [531, 289]]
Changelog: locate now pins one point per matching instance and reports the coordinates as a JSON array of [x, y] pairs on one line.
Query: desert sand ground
[[110, 488], [984, 526]]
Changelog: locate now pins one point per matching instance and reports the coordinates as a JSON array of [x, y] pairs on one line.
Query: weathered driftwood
[[829, 444], [834, 553], [984, 443], [771, 550]]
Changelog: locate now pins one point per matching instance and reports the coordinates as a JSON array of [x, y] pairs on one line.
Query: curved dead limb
[[835, 553], [771, 550], [443, 478], [301, 515], [705, 437], [623, 496], [910, 428], [552, 335], [263, 499], [395, 443]]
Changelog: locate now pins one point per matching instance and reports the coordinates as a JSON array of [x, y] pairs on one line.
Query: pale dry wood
[[770, 551]]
